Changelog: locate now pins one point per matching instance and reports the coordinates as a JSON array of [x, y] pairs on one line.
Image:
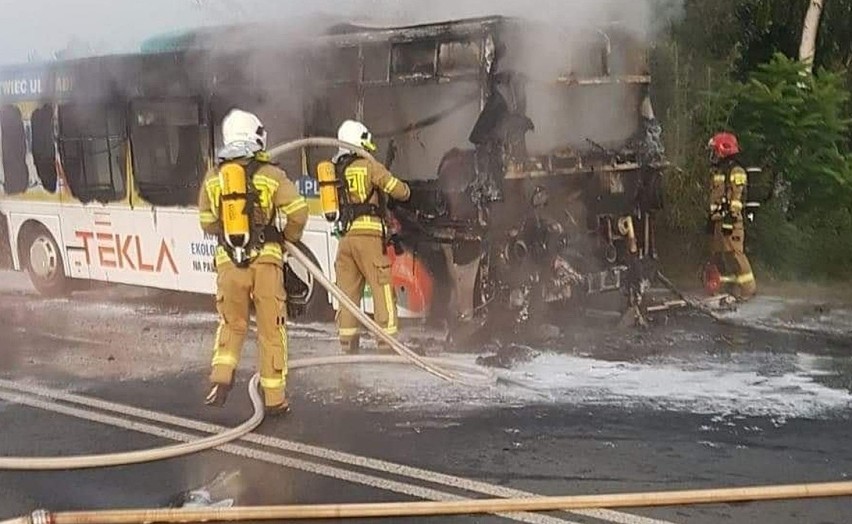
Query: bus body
[[102, 158]]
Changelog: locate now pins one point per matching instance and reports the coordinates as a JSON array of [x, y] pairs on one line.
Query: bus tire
[[5, 244], [42, 258]]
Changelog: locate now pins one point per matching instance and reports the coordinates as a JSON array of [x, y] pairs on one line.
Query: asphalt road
[[688, 404]]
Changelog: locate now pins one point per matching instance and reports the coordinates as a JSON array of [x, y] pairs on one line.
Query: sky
[[36, 29]]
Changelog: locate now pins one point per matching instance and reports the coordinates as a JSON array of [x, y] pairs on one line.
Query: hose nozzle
[[39, 516]]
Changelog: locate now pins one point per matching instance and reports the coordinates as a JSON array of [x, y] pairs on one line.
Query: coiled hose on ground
[[144, 455]]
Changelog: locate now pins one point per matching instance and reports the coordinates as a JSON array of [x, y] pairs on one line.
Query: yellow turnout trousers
[[263, 283], [728, 254], [360, 260]]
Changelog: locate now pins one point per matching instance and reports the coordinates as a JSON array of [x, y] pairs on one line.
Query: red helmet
[[724, 145]]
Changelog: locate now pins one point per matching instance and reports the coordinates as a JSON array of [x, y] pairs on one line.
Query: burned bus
[[532, 151]]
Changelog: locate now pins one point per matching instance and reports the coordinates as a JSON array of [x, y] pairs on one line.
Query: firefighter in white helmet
[[241, 201], [361, 255]]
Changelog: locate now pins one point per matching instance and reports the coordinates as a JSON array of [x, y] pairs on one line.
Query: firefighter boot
[[384, 348], [218, 394], [279, 409], [351, 346]]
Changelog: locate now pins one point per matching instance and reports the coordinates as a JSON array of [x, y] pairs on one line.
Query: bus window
[[44, 147], [343, 65], [458, 58], [14, 146], [168, 156], [325, 114], [91, 145], [376, 57], [413, 59]]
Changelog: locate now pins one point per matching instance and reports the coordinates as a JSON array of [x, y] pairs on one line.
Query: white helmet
[[357, 134], [241, 129]]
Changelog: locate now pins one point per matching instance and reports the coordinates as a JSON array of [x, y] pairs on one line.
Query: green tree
[[767, 27], [795, 125]]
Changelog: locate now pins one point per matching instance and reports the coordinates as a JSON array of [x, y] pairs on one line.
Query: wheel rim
[[309, 287], [44, 260], [308, 283]]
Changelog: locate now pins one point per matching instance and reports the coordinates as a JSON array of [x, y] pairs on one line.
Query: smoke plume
[[39, 29]]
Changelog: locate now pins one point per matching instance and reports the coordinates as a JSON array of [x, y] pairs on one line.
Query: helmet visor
[[367, 142]]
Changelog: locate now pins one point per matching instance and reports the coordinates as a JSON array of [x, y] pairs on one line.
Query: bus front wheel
[[43, 260]]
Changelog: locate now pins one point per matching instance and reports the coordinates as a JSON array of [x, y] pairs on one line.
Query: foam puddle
[[787, 389]]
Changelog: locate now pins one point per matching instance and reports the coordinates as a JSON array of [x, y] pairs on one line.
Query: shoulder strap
[[343, 163], [263, 157]]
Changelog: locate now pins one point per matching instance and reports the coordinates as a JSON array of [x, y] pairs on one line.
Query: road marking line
[[272, 458], [64, 338], [445, 480]]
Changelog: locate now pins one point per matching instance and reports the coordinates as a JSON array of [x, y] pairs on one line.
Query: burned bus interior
[[535, 175]]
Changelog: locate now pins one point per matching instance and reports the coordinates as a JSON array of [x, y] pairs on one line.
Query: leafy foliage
[[726, 67], [794, 124], [772, 26]]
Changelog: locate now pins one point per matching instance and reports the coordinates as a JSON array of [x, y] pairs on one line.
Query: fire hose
[[144, 455], [369, 323], [473, 375], [445, 508]]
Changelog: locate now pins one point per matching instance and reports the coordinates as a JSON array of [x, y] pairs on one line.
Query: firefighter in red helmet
[[728, 184]]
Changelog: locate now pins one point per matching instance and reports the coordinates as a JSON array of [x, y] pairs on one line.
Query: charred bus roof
[[190, 63], [102, 77], [355, 34]]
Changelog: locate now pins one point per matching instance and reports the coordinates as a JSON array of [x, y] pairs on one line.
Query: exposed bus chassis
[[547, 236]]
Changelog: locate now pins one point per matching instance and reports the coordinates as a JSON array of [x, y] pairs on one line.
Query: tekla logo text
[[125, 252]]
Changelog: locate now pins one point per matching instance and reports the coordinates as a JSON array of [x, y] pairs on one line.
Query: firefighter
[[362, 253], [250, 205], [728, 184]]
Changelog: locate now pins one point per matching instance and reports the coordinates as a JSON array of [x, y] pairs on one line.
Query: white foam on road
[[704, 387], [785, 314], [776, 385], [15, 282]]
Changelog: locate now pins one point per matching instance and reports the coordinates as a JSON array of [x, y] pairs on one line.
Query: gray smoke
[[572, 43], [37, 29]]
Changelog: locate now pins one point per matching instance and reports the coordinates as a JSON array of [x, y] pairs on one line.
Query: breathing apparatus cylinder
[[235, 216], [327, 179]]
